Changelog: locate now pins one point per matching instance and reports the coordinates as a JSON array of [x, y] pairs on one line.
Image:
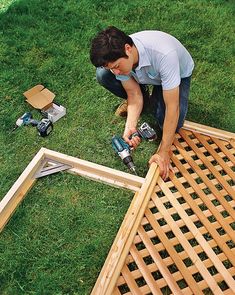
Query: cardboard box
[[41, 98]]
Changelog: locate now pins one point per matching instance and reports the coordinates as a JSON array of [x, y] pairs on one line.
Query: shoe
[[121, 111]]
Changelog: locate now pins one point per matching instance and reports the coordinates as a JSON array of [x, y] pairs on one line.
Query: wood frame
[[80, 167], [145, 189]]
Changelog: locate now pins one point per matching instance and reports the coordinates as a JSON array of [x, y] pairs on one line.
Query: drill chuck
[[123, 150], [128, 161]]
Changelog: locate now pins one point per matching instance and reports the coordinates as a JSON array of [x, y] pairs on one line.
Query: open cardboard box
[[41, 98]]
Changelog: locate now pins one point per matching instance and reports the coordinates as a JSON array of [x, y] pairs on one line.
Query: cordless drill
[[124, 150], [24, 120], [44, 127]]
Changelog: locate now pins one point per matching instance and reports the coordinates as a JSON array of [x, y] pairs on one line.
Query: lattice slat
[[186, 240]]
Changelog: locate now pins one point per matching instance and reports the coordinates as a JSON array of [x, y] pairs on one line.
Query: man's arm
[[171, 99], [134, 108]]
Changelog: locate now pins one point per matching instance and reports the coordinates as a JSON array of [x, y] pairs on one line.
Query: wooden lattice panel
[[177, 236], [185, 242]]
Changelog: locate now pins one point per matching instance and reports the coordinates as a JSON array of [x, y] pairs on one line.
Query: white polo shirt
[[163, 60]]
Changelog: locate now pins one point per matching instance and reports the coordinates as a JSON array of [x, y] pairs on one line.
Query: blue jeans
[[108, 80]]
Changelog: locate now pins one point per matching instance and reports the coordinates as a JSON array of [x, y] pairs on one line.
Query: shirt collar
[[143, 56]]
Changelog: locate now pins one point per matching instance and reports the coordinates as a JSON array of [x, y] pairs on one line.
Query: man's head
[[110, 46]]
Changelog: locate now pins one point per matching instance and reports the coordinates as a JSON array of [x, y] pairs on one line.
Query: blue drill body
[[124, 150], [24, 120]]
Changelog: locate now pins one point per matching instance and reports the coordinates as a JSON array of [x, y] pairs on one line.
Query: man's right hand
[[132, 141]]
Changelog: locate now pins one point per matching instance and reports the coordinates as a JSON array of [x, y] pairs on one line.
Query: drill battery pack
[[145, 132], [44, 127]]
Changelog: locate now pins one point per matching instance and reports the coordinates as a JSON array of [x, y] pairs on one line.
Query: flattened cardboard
[[39, 97]]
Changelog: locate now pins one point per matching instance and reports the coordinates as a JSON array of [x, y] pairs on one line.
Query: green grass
[[58, 239], [56, 242]]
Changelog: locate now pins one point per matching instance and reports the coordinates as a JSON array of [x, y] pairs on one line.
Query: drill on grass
[[44, 127], [24, 120], [124, 150]]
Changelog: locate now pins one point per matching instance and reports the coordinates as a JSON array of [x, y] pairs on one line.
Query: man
[[126, 63]]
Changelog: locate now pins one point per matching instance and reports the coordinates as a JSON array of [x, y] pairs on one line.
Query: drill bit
[[133, 170]]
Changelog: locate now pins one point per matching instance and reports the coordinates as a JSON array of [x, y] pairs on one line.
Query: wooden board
[[20, 188]]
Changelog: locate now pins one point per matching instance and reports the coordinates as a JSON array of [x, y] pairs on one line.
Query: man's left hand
[[162, 158]]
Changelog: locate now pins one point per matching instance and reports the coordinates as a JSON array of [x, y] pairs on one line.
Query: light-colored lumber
[[204, 159], [18, 191], [199, 190], [116, 292], [145, 271], [205, 198], [168, 261], [172, 252], [158, 261], [188, 248], [130, 281], [198, 236], [84, 168], [97, 172], [115, 271], [204, 220], [224, 150], [210, 131], [221, 162], [117, 255]]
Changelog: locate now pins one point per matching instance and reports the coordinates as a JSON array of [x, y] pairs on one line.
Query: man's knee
[[102, 76], [108, 80]]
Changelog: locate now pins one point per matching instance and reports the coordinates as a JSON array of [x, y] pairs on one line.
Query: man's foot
[[121, 111]]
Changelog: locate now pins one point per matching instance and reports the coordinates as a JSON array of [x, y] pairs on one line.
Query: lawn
[[58, 239]]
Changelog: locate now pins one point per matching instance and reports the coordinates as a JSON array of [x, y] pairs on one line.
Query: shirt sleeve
[[170, 71], [122, 77]]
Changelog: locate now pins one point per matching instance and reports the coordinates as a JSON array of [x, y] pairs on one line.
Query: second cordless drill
[[44, 127]]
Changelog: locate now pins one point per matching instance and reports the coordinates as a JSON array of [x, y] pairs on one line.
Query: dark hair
[[108, 46]]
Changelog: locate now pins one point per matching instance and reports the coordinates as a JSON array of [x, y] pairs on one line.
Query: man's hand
[[163, 160], [134, 141]]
